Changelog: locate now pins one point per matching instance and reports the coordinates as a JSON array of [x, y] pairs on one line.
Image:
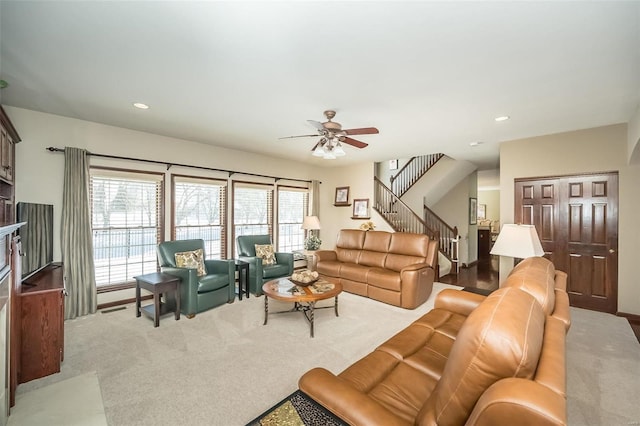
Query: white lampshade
[[311, 222], [520, 241]]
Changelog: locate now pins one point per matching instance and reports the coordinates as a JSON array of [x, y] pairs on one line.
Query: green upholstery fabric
[[198, 294], [259, 273]]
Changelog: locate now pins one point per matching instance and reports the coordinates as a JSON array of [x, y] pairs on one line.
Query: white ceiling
[[431, 76]]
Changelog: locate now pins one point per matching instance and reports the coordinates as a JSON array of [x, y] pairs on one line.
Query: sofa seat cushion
[[275, 271], [330, 268], [354, 272], [212, 282], [384, 278]]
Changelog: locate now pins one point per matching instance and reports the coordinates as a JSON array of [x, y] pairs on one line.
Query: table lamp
[[517, 241]]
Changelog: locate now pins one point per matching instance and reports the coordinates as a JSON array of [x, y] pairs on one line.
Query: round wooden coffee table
[[304, 298]]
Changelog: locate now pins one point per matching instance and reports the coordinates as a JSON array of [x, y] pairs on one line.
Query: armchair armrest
[[346, 402], [188, 286], [324, 255], [255, 273], [215, 266], [285, 259], [458, 301]]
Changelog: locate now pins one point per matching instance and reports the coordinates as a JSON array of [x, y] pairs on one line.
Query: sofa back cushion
[[375, 248], [536, 276], [349, 245], [501, 338], [407, 248]]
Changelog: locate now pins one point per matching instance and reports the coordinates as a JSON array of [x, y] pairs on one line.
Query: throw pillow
[[265, 252], [191, 259]]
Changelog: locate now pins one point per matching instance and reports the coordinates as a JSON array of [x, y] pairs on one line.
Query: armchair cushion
[[275, 271], [191, 259], [265, 252], [212, 282]]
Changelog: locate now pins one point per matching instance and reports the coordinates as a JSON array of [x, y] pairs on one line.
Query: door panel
[[577, 220]]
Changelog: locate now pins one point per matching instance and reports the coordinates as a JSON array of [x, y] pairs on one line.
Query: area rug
[[297, 410]]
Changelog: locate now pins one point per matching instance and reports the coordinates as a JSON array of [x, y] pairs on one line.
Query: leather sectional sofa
[[474, 360], [396, 268]]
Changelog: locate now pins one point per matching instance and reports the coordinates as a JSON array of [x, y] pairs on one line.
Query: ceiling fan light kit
[[332, 136]]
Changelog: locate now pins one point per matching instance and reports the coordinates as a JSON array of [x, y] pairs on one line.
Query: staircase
[[412, 172], [403, 219]]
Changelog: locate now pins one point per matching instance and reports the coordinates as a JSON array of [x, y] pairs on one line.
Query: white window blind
[[126, 216], [292, 207], [252, 209], [200, 212]]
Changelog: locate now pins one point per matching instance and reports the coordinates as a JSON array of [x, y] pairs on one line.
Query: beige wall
[[490, 198], [601, 149]]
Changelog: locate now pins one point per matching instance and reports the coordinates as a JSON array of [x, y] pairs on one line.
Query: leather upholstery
[[259, 273], [396, 268], [197, 294], [496, 360]]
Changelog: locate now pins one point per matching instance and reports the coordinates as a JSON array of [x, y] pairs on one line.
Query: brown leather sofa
[[393, 267], [473, 360]]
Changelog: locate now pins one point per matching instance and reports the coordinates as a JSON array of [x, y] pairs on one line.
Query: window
[[126, 221], [252, 209], [292, 208], [199, 212]]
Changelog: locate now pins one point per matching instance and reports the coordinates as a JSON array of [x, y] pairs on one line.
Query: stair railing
[[397, 214], [449, 238], [411, 172]]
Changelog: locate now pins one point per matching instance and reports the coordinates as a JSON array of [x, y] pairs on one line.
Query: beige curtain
[[77, 243], [314, 203]]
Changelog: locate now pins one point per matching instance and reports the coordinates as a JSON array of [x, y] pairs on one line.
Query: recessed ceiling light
[[141, 105], [476, 143], [502, 118]]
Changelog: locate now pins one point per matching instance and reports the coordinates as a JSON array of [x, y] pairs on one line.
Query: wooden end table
[[304, 298], [242, 268], [157, 283]]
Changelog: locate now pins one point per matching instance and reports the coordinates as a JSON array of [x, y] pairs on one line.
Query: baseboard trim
[[631, 317], [123, 302]]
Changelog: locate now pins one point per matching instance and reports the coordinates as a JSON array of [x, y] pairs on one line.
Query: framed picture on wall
[[473, 211], [361, 208], [393, 164], [482, 211], [342, 196]]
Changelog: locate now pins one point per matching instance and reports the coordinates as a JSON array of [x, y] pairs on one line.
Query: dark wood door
[[577, 220]]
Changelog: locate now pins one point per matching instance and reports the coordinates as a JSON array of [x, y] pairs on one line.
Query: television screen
[[36, 236]]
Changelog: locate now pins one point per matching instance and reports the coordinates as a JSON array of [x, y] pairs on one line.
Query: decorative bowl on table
[[304, 278]]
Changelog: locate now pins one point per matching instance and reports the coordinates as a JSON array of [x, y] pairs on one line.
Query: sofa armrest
[[561, 308], [526, 400], [458, 301], [325, 255], [414, 267], [346, 402]]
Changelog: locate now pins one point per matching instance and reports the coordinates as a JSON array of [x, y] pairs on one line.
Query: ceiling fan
[[332, 136]]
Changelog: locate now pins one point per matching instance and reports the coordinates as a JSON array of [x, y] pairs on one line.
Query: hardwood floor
[[485, 275]]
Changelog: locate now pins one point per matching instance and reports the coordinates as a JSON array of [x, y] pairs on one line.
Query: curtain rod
[[231, 172]]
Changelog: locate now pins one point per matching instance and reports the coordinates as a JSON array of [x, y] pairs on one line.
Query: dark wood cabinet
[[41, 300]]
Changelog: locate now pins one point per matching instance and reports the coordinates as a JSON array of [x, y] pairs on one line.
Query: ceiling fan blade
[[300, 136], [362, 131], [354, 142], [318, 125]]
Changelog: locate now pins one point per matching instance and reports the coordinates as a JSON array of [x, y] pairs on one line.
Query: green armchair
[[259, 273], [198, 294]]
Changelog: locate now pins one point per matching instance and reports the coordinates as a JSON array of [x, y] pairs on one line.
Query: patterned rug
[[297, 410]]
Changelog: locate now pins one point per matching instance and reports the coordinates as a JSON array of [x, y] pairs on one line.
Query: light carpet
[[222, 367], [225, 368]]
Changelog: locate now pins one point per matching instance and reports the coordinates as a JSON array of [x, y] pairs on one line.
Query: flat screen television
[[36, 236]]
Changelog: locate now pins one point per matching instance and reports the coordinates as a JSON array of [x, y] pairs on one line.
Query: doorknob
[[612, 251]]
